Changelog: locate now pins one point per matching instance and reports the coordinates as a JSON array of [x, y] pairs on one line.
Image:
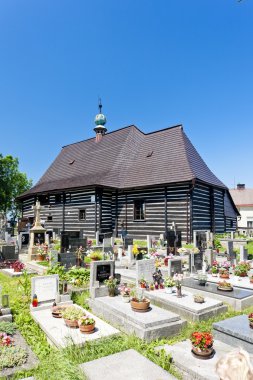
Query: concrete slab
[[127, 275], [10, 272], [6, 315], [126, 365], [185, 306], [61, 335], [156, 323], [240, 282], [236, 332], [239, 298], [196, 369]]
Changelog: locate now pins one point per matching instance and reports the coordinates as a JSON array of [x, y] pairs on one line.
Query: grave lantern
[[63, 287], [5, 301]]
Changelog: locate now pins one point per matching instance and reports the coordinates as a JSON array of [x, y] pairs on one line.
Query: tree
[[12, 184]]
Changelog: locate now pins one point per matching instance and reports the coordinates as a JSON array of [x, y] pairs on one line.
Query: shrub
[[7, 327], [12, 356]]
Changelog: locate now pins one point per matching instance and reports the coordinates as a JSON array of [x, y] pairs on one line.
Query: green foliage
[[78, 276], [217, 243], [8, 327], [72, 313], [81, 298], [12, 356], [96, 255], [25, 283], [58, 269], [140, 243], [12, 184]]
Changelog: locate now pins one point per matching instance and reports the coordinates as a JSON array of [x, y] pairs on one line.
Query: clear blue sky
[[155, 63]]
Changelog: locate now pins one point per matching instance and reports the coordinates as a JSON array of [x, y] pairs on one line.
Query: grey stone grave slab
[[185, 306], [45, 287], [145, 268], [192, 367], [174, 266], [99, 272], [61, 335], [229, 247], [67, 259], [239, 298], [125, 365], [235, 332], [10, 272], [156, 323]]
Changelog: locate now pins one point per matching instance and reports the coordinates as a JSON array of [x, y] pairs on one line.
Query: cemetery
[[136, 293]]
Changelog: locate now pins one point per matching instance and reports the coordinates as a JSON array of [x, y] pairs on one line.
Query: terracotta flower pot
[[243, 274], [143, 286], [224, 275], [202, 353], [140, 307], [40, 257], [71, 324], [87, 329], [251, 280], [16, 270], [251, 324]]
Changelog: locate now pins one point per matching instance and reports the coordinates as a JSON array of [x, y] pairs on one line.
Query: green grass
[[43, 263], [63, 364]]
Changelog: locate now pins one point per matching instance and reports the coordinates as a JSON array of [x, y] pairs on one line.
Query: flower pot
[[179, 292], [251, 280], [126, 299], [202, 353], [251, 324], [168, 289], [16, 270], [243, 274], [143, 286], [166, 261], [87, 329], [202, 282], [111, 292], [140, 307], [71, 324], [224, 275], [214, 274], [40, 257]]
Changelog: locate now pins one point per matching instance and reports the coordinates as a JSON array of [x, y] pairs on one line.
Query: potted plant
[[86, 324], [111, 283], [224, 273], [202, 343], [139, 303], [202, 278], [17, 266], [95, 256], [169, 283], [215, 268], [198, 298], [41, 253], [143, 282], [71, 316], [242, 269], [178, 283], [250, 318], [125, 293]]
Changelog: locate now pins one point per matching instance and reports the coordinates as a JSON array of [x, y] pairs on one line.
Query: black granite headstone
[[128, 241], [103, 272], [198, 260], [8, 252]]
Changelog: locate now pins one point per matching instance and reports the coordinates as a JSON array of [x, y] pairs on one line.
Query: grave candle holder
[[63, 287], [5, 301]]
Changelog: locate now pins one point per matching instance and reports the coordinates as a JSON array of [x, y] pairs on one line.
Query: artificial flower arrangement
[[18, 266], [195, 250], [135, 250], [169, 282], [183, 251], [215, 267], [178, 277], [143, 282]]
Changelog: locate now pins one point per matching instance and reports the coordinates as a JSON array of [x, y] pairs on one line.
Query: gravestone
[[53, 258], [229, 247], [128, 241], [67, 259], [200, 239], [99, 272], [45, 287], [210, 256], [243, 253], [8, 252], [130, 252], [145, 268], [107, 245], [75, 243], [196, 261], [174, 266]]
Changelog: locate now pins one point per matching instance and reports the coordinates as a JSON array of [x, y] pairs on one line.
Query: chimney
[[241, 186]]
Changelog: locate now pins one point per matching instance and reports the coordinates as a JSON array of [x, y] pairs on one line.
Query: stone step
[[192, 367], [185, 306], [125, 365], [235, 332], [33, 266], [156, 323]]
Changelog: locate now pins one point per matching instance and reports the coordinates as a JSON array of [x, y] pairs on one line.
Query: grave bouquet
[[111, 283], [250, 318], [125, 293], [17, 266], [215, 268], [178, 277], [169, 283], [242, 269], [202, 343], [86, 324]]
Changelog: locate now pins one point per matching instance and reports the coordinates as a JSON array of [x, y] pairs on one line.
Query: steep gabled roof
[[127, 158]]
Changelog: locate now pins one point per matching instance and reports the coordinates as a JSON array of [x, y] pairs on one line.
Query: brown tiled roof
[[242, 197], [127, 158]]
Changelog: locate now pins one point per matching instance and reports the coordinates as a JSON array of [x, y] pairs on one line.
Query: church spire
[[100, 121]]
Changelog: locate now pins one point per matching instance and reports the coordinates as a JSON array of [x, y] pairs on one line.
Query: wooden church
[[142, 183]]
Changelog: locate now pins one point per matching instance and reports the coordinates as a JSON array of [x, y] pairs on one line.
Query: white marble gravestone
[[174, 266], [45, 287], [243, 253], [145, 268]]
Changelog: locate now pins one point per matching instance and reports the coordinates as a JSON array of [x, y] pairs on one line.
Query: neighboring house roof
[[243, 197], [127, 158]]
